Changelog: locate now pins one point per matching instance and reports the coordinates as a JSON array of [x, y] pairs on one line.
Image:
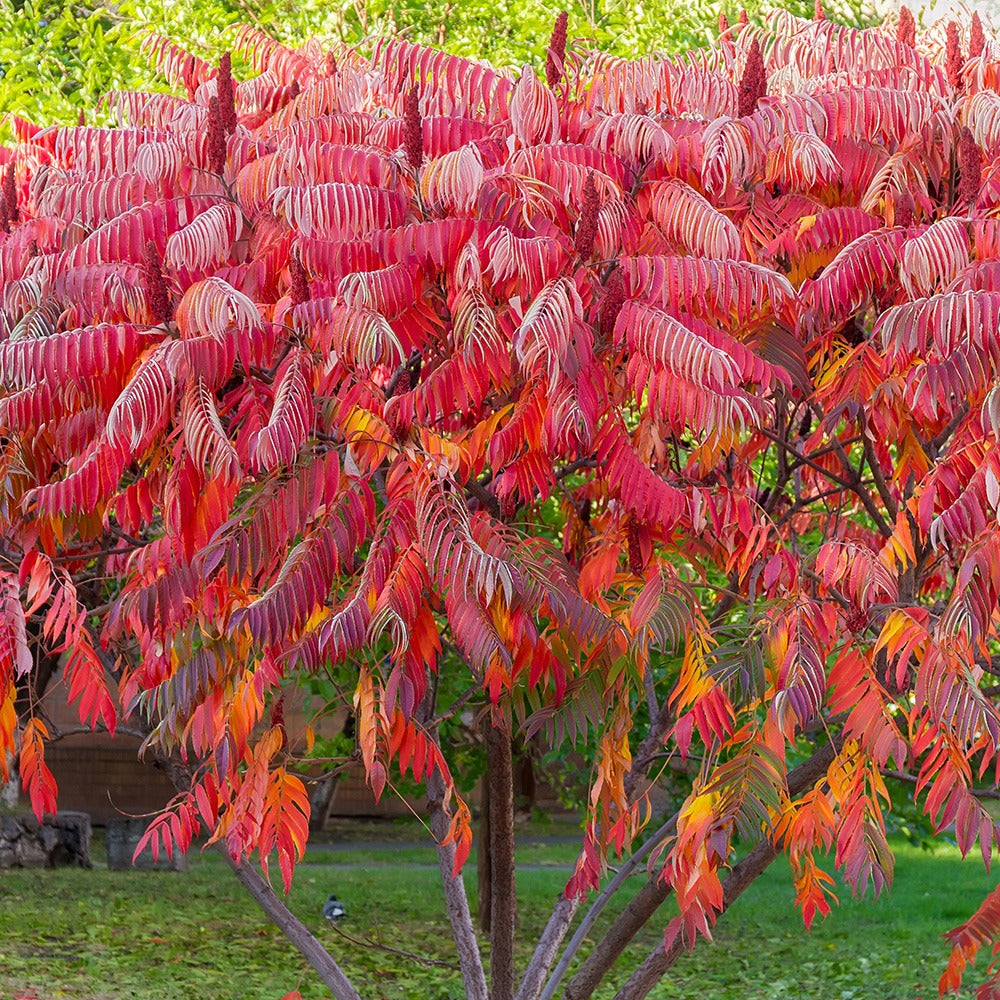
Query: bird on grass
[[333, 910]]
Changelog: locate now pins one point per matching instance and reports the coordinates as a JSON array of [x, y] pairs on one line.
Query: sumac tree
[[662, 394]]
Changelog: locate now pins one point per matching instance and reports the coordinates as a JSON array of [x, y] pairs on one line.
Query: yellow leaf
[[805, 224], [319, 615], [369, 438]]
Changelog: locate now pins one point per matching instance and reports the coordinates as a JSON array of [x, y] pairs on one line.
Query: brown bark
[[484, 873], [503, 892], [631, 920], [743, 874], [548, 946], [583, 930], [293, 929], [652, 895], [266, 898], [462, 928]]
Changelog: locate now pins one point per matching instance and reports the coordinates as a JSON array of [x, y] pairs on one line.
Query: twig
[[420, 959], [666, 830], [806, 459], [933, 447], [911, 779], [880, 483], [857, 487]]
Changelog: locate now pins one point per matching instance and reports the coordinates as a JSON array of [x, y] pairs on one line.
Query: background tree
[[58, 57], [312, 368]]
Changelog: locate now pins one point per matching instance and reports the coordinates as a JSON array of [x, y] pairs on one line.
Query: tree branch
[[858, 488], [267, 899], [650, 897], [419, 959], [503, 896], [635, 915], [293, 929], [462, 928], [880, 483], [559, 923], [933, 447], [911, 779], [744, 873]]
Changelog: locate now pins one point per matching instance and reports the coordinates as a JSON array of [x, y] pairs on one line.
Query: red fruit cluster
[[216, 141], [970, 166], [556, 55], [299, 292], [155, 286], [9, 212], [906, 30], [953, 60], [226, 93], [977, 40], [753, 83], [635, 560], [413, 137], [586, 228], [611, 305]]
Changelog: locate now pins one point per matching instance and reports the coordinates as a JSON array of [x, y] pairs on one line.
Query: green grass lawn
[[163, 935]]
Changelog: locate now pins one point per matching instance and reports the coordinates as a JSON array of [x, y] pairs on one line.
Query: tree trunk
[[548, 946], [594, 911], [632, 919], [322, 799], [744, 874], [457, 903], [10, 790], [503, 892], [293, 929], [652, 895], [484, 873], [266, 898]]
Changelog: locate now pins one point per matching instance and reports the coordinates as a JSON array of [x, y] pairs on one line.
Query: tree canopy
[[654, 400]]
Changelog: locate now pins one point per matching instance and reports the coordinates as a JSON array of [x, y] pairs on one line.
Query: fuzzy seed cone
[[413, 135], [903, 210], [226, 94], [977, 40], [635, 562], [723, 22], [399, 424], [155, 286], [403, 384], [970, 166], [556, 55], [611, 304], [586, 227], [299, 279], [753, 83], [818, 13], [906, 30], [10, 195], [216, 140], [508, 507], [953, 60], [742, 19]]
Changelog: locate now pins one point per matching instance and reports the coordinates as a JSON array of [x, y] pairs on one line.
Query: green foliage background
[[58, 57]]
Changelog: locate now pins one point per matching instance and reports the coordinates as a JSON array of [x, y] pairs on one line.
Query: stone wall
[[63, 839]]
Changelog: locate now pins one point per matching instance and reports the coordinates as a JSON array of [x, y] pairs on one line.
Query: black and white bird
[[333, 910]]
